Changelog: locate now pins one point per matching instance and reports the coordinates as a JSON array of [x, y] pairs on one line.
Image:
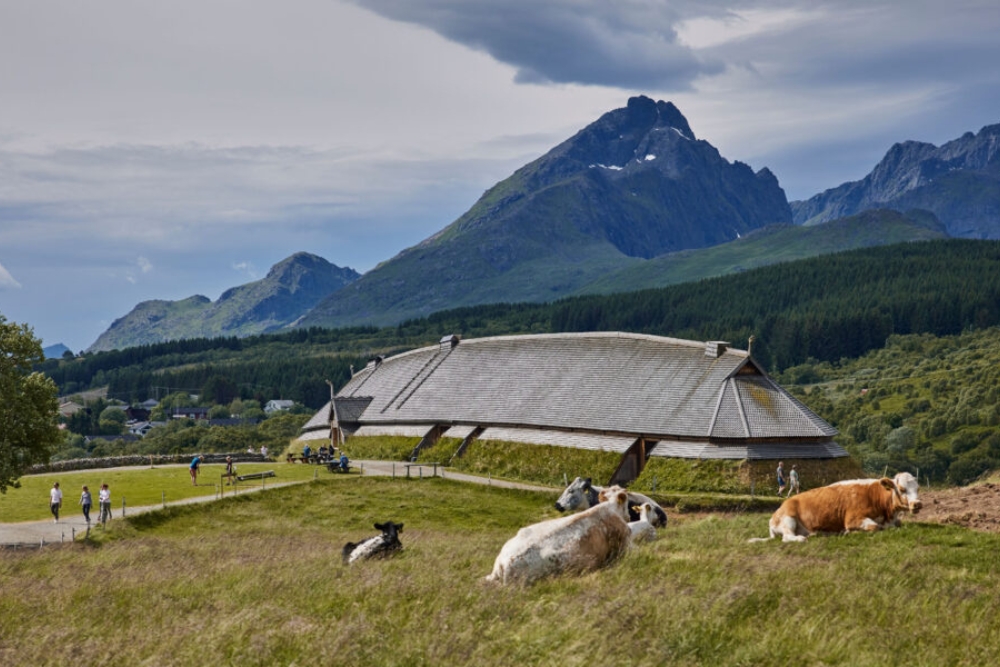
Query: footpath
[[72, 526]]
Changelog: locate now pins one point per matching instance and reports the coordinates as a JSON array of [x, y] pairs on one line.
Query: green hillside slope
[[771, 245]]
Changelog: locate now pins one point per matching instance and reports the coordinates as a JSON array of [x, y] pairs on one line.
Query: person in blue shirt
[[195, 467], [343, 462], [306, 451]]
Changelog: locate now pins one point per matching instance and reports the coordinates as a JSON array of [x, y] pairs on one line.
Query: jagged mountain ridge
[[959, 182], [290, 289], [634, 184]]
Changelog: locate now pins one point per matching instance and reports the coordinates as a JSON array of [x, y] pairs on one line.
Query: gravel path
[[72, 526]]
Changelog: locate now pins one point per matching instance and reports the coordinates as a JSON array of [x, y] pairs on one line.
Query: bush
[[966, 469]]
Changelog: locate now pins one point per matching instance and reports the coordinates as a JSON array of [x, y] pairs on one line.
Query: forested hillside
[[898, 347], [922, 403], [824, 309]]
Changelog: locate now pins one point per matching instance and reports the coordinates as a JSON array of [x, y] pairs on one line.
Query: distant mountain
[[633, 185], [55, 351], [290, 289], [771, 245], [959, 182]]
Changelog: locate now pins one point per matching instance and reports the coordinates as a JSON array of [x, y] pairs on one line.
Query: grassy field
[[257, 580], [138, 486]]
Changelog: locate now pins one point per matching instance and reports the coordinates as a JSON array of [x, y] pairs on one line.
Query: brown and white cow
[[858, 504], [577, 543]]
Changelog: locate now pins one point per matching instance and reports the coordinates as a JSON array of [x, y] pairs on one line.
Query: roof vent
[[716, 348], [449, 341], [375, 362]]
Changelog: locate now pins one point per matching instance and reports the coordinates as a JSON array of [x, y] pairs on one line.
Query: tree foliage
[[28, 404], [809, 318], [923, 403]]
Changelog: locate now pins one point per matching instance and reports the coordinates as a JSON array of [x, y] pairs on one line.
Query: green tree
[[178, 399], [112, 420], [219, 412], [219, 390], [28, 405]]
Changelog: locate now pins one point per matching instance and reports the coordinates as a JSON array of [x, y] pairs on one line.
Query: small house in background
[[189, 413], [137, 414], [140, 428], [636, 395], [149, 404], [278, 406]]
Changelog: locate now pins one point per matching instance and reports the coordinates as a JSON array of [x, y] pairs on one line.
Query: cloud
[[246, 268], [7, 280], [630, 44], [144, 264]]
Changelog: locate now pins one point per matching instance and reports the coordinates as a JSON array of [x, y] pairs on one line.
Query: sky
[[153, 150]]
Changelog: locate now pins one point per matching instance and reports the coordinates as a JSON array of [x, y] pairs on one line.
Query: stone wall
[[138, 460]]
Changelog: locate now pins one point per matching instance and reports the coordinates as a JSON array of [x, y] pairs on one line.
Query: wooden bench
[[255, 475]]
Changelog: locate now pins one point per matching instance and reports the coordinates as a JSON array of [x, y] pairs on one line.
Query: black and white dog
[[379, 546]]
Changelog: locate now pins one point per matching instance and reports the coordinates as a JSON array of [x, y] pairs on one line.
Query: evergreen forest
[[815, 321]]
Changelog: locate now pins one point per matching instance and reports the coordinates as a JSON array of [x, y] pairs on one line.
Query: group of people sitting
[[324, 456]]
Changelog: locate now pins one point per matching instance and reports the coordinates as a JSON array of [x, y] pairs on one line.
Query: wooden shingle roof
[[607, 383]]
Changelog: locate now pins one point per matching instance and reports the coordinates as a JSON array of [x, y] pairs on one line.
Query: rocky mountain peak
[[959, 182], [626, 135]]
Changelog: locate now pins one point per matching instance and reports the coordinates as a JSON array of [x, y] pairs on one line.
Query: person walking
[[85, 502], [104, 498], [55, 502], [230, 470], [793, 480], [195, 467], [780, 472]]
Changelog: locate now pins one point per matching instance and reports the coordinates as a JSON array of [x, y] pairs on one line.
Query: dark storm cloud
[[625, 44]]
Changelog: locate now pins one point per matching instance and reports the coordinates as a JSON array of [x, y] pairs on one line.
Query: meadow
[[137, 486], [256, 579]]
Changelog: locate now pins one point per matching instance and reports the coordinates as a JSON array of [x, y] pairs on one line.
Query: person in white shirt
[[104, 498], [55, 502]]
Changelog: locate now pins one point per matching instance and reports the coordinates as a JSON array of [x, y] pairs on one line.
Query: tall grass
[[257, 580]]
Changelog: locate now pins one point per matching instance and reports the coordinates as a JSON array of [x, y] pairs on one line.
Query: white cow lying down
[[582, 493], [576, 543], [642, 530], [857, 504]]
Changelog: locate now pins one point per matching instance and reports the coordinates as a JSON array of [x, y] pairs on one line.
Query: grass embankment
[[257, 580], [138, 486]]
